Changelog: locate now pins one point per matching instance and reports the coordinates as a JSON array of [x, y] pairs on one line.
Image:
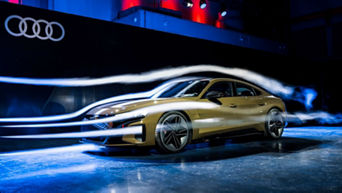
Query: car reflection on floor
[[210, 151]]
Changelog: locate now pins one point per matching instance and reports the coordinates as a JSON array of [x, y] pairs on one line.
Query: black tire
[[274, 124], [173, 132]]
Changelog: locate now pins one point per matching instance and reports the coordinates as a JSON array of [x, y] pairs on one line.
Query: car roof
[[216, 79], [223, 79], [233, 80], [239, 80]]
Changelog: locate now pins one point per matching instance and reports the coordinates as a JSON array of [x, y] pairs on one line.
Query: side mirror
[[213, 96]]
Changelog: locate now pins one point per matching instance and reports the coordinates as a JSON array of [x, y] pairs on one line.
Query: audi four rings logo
[[37, 25]]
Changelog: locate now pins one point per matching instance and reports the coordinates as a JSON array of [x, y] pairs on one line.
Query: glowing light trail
[[163, 74], [98, 133], [128, 115], [305, 96], [320, 116], [297, 117], [87, 108]]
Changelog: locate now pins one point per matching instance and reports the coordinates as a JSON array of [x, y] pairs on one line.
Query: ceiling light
[[223, 11], [203, 4], [188, 3]]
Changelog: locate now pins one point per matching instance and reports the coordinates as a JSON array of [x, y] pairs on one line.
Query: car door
[[249, 105], [223, 117]]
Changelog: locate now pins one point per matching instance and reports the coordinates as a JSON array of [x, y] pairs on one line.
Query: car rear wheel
[[274, 124], [173, 132]]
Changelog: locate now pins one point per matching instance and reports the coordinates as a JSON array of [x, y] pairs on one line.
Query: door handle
[[262, 104], [232, 106]]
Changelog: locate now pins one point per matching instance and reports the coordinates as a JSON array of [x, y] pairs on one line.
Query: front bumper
[[119, 133], [116, 136]]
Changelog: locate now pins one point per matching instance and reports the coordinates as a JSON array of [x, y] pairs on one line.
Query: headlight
[[103, 116]]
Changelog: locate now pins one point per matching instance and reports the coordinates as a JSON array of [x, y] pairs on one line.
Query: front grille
[[100, 126], [104, 126], [93, 128]]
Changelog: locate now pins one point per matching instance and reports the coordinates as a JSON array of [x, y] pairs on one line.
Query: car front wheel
[[173, 132]]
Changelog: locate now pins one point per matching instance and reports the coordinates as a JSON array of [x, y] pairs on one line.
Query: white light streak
[[89, 107], [305, 96], [128, 115], [163, 74], [320, 116], [98, 133]]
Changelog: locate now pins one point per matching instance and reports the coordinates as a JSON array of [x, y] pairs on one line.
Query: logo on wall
[[18, 26]]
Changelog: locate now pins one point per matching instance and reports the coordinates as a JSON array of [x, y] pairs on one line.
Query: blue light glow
[[320, 116], [55, 171], [305, 96], [310, 95]]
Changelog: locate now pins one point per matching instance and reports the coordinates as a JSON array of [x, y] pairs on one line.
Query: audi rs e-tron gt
[[185, 110]]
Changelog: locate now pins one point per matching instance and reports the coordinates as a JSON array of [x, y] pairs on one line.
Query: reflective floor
[[307, 159]]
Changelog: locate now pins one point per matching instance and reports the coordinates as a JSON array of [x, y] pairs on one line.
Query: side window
[[196, 89], [257, 92], [244, 90], [224, 88]]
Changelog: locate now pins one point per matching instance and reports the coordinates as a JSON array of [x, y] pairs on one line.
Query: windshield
[[184, 89]]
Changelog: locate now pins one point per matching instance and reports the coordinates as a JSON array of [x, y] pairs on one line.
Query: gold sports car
[[185, 110]]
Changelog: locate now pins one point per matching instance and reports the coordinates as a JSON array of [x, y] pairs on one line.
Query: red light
[[219, 24], [170, 4], [126, 4], [14, 1], [199, 15]]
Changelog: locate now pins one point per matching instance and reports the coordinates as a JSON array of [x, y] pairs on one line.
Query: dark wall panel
[[337, 40], [309, 43]]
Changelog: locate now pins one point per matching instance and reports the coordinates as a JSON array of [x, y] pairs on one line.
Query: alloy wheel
[[173, 132], [275, 123]]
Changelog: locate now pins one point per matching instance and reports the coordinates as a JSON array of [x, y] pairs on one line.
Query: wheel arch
[[180, 111], [275, 107], [183, 113]]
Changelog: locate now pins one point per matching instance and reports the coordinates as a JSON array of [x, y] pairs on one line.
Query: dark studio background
[[98, 48], [297, 42]]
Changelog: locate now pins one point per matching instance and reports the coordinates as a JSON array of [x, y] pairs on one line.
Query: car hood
[[131, 105]]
